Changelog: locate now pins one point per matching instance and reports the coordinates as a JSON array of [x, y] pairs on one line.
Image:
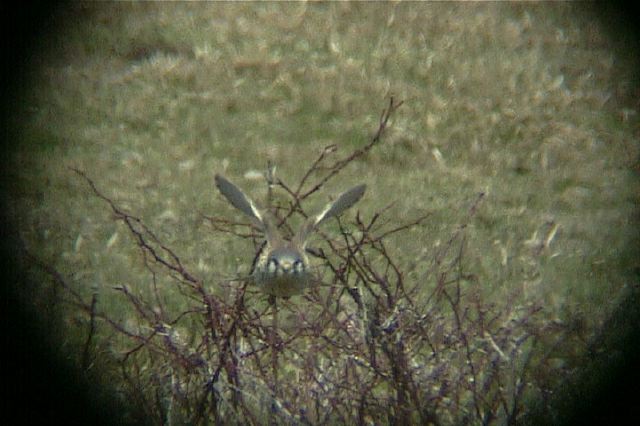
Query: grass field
[[533, 105]]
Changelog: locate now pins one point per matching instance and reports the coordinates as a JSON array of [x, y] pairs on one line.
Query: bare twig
[[375, 345]]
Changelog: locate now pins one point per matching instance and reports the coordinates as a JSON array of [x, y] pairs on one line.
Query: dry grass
[[529, 104]]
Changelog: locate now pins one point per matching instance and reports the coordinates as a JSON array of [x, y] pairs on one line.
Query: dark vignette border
[[41, 387]]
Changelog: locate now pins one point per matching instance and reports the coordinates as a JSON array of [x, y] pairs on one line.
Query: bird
[[282, 268]]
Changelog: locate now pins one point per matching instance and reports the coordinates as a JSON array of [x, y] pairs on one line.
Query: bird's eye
[[272, 265], [298, 266]]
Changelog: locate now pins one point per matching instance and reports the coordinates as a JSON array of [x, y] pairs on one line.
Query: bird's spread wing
[[238, 199]]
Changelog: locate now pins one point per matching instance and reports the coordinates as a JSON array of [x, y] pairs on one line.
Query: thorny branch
[[142, 234], [374, 344], [339, 165]]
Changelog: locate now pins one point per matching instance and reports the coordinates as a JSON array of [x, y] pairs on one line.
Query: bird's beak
[[286, 266]]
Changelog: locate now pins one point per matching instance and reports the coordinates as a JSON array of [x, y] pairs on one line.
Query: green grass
[[529, 103]]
